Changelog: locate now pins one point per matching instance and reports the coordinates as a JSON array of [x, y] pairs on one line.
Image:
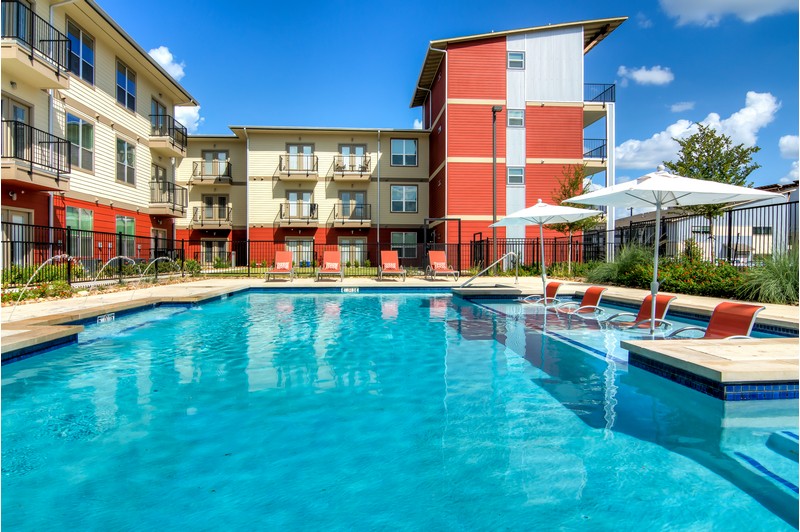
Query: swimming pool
[[354, 411]]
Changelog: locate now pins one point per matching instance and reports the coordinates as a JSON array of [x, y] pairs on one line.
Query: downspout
[[50, 120], [378, 222]]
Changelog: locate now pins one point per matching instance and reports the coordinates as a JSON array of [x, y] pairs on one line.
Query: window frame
[[521, 175], [509, 115], [404, 155], [129, 166], [81, 238], [403, 246], [219, 209], [78, 149], [129, 238], [79, 72], [520, 60], [404, 200], [128, 73]]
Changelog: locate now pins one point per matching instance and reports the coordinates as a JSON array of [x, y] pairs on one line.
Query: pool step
[[784, 443]]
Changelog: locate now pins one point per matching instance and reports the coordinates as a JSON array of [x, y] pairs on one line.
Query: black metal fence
[[21, 23], [35, 147]]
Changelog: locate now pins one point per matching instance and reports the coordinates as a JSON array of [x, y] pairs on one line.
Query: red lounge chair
[[331, 265], [550, 293], [728, 321], [642, 319], [390, 265], [590, 303], [283, 265], [438, 265]]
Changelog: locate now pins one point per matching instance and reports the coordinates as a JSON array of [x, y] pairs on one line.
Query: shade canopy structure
[[541, 214], [662, 189]]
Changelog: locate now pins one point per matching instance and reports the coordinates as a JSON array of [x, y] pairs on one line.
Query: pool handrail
[[489, 267]]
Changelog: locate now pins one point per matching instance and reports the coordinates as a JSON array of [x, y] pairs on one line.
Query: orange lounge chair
[[550, 295], [390, 265], [437, 264], [728, 321], [283, 265], [589, 305], [642, 319], [331, 265]]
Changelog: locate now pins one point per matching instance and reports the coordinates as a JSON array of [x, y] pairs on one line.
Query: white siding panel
[[515, 89], [515, 201], [515, 146], [554, 65]]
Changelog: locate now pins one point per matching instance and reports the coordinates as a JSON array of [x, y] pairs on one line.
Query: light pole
[[495, 109]]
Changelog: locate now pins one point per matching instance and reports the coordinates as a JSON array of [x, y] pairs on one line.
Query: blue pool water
[[364, 412]]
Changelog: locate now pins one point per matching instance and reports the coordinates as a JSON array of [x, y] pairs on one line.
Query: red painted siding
[[477, 69], [470, 131], [554, 132], [438, 95], [470, 190], [437, 194], [29, 200]]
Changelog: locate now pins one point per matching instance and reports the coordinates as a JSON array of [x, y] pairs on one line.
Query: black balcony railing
[[35, 147], [358, 164], [594, 148], [299, 163], [292, 212], [599, 92], [212, 215], [167, 126], [211, 169], [352, 212], [22, 24], [165, 192]]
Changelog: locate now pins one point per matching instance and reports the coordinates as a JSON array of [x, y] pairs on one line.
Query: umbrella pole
[[654, 284], [544, 273]]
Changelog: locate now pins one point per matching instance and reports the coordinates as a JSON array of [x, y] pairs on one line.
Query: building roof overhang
[[594, 31]]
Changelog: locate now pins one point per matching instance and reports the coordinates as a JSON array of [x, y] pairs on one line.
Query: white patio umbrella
[[661, 189], [541, 214]]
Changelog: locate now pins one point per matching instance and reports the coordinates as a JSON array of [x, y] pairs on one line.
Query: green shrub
[[192, 267], [699, 278], [632, 266], [367, 263], [219, 262], [774, 281]]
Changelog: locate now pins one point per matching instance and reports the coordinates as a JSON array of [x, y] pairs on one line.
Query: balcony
[[352, 214], [34, 158], [595, 155], [167, 136], [216, 172], [595, 98], [293, 214], [168, 199], [352, 168], [298, 167], [211, 217], [32, 49]]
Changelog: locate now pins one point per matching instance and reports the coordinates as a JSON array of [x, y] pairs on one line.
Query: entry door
[[20, 114], [353, 249], [158, 242], [300, 156], [17, 234], [353, 204], [215, 162], [299, 204], [302, 251], [353, 157]]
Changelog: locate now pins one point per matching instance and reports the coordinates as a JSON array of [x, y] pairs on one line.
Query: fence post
[[69, 255], [247, 256], [183, 260], [730, 235], [119, 252]]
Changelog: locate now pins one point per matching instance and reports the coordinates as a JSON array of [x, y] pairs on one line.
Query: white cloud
[[417, 123], [189, 117], [742, 127], [164, 57], [791, 176], [644, 76], [789, 147], [681, 107], [643, 21], [709, 12]]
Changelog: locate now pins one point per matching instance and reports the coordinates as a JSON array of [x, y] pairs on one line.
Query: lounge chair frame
[[282, 257], [390, 257], [439, 257], [727, 317], [643, 318], [549, 297], [327, 258]]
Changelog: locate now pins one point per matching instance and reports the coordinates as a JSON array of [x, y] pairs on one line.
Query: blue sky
[[730, 63]]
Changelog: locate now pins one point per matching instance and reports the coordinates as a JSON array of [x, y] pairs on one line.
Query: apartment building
[[531, 82], [90, 142], [89, 138]]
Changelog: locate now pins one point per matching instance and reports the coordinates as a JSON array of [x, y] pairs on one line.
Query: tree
[[572, 183], [712, 156]]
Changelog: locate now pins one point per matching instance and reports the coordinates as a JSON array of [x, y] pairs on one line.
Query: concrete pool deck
[[33, 326]]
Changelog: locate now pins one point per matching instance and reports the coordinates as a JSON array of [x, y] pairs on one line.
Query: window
[[353, 204], [516, 60], [215, 163], [405, 244], [126, 86], [516, 118], [158, 173], [215, 207], [516, 176], [127, 226], [404, 152], [81, 57], [301, 157], [300, 204], [404, 198], [126, 162], [81, 240], [302, 251], [215, 252], [352, 158], [81, 134], [158, 119], [762, 230], [353, 250]]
